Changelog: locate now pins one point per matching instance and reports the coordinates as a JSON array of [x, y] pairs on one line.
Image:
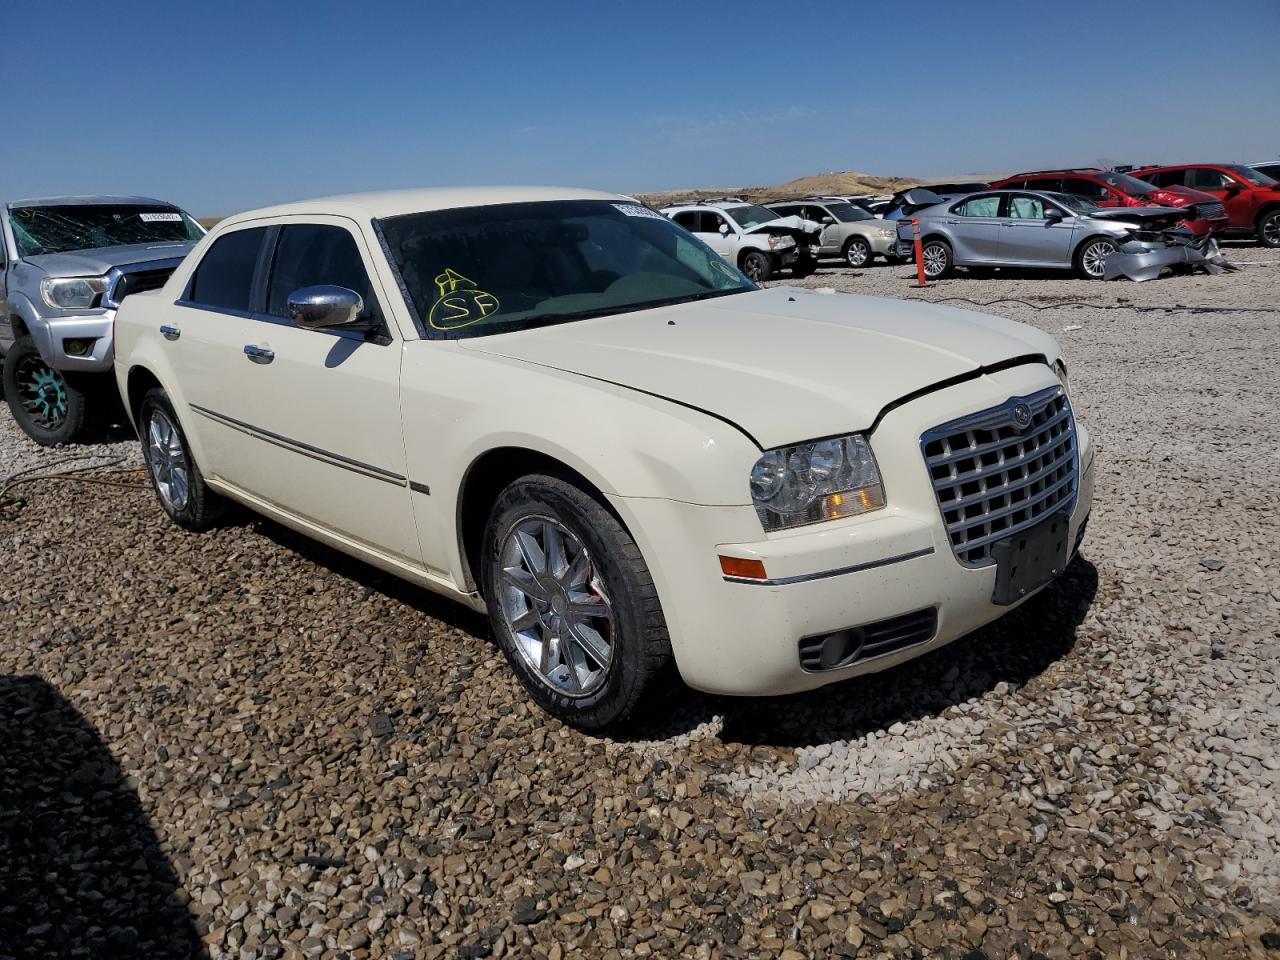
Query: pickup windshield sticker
[[160, 217], [459, 303], [636, 210]]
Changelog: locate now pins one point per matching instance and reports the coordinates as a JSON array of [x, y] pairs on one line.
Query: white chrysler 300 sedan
[[562, 408]]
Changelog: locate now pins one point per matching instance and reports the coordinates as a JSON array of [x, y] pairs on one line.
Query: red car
[[1252, 199], [1109, 189]]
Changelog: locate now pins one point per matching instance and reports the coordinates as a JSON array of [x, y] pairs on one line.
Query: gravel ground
[[246, 744]]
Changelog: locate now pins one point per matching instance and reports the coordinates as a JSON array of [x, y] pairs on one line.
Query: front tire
[[1091, 258], [757, 265], [571, 602], [1269, 228], [175, 477], [938, 261], [804, 267], [857, 253], [49, 409]]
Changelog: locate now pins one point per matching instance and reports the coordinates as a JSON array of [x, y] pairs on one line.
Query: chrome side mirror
[[325, 306]]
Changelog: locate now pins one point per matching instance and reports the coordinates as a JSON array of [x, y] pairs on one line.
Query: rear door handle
[[170, 333], [258, 354]]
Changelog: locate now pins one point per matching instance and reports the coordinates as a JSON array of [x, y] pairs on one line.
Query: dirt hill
[[845, 182]]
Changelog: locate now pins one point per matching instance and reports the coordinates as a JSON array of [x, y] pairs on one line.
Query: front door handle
[[170, 333], [258, 354]]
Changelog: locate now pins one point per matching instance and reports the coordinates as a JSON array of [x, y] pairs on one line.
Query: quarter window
[[224, 278], [312, 254], [979, 207]]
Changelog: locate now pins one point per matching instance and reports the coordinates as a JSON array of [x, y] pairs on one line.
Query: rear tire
[[857, 253], [937, 257], [1269, 228], [584, 633], [175, 477], [44, 403], [757, 265], [1091, 257]]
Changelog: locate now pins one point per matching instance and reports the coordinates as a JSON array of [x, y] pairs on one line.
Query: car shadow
[[81, 871], [1013, 650]]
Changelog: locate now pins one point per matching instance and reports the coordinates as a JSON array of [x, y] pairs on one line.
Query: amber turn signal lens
[[746, 569]]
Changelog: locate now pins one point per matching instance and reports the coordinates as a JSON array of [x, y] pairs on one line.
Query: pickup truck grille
[[139, 281], [995, 474]]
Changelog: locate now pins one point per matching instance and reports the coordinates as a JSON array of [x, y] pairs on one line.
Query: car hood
[[786, 226], [1176, 195], [90, 263], [1144, 215], [784, 364]]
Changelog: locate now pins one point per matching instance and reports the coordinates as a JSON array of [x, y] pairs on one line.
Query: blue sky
[[222, 106]]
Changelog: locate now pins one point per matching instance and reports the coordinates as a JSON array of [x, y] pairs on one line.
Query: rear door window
[[313, 254], [979, 207], [687, 219], [224, 277]]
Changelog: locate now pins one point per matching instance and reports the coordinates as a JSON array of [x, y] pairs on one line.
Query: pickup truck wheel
[[857, 252], [48, 409], [571, 602], [1091, 258], [1269, 228], [175, 476], [936, 255], [757, 265]]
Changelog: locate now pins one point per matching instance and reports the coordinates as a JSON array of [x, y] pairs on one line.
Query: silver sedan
[[1021, 228]]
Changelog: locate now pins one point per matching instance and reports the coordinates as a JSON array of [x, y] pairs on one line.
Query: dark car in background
[[1251, 198], [1108, 188]]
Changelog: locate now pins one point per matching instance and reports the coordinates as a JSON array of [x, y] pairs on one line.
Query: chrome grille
[[994, 477], [1210, 211]]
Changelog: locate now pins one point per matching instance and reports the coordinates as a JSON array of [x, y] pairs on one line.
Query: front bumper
[[1146, 260], [52, 333], [742, 638]]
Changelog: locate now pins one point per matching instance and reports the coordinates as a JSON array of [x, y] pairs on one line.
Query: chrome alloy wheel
[[857, 254], [935, 259], [168, 461], [553, 602], [1094, 259], [1271, 230]]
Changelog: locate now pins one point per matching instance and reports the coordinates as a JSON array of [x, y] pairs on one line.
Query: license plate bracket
[[1030, 559]]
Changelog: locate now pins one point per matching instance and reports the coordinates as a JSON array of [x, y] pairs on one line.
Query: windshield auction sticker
[[459, 303], [160, 217], [636, 210]]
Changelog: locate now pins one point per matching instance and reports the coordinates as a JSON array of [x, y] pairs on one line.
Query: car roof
[[100, 200], [390, 203]]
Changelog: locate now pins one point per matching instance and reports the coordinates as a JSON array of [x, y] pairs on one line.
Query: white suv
[[559, 407], [755, 239]]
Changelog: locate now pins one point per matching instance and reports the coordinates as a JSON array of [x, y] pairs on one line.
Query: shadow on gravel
[[1013, 650], [81, 873]]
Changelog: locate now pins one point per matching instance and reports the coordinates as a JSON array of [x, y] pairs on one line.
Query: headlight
[[812, 482], [888, 233], [72, 293], [781, 243]]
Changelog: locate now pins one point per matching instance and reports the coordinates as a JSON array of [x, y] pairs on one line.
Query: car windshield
[[848, 213], [1130, 185], [64, 228], [477, 271], [1074, 204], [749, 215], [1250, 175]]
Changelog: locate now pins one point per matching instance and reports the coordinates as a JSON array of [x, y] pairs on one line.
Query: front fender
[[20, 305], [458, 405]]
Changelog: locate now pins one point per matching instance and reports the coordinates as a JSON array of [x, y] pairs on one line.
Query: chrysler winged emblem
[[1021, 416]]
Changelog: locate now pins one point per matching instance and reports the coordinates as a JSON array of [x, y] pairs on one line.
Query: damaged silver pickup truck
[[1024, 228]]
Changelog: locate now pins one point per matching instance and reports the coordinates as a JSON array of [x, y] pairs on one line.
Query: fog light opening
[[843, 646], [79, 347]]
